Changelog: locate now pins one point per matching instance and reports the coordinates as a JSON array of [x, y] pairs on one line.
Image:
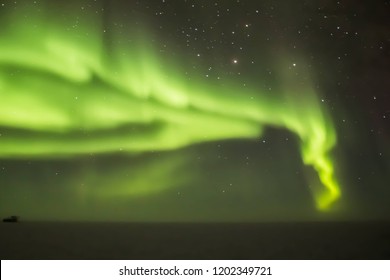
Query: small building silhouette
[[11, 219]]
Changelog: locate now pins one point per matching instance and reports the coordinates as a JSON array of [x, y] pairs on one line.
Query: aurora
[[68, 91]]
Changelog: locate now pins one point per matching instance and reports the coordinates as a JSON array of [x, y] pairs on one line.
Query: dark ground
[[319, 240]]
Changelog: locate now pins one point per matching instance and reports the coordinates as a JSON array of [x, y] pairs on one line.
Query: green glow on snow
[[64, 92]]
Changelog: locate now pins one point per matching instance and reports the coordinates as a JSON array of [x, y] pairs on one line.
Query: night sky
[[238, 111]]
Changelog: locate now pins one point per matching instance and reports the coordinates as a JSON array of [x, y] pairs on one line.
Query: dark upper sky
[[338, 48]]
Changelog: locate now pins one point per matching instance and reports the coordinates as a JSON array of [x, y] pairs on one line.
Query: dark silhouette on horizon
[[11, 219]]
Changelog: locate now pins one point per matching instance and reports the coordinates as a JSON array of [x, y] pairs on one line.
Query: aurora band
[[68, 89]]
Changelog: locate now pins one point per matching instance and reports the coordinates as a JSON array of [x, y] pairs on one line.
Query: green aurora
[[68, 91]]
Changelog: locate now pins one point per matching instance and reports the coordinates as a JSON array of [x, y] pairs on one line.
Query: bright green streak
[[63, 92]]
